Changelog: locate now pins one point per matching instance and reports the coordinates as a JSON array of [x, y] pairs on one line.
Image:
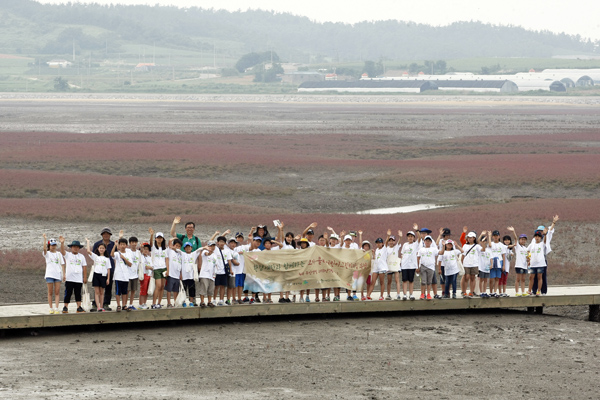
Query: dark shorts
[[408, 275], [230, 281], [190, 287], [172, 284], [99, 281], [134, 285], [521, 271], [484, 275], [221, 280], [537, 270], [121, 288], [239, 280]]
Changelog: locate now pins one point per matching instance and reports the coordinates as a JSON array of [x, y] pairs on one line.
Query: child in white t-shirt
[[122, 256], [101, 276], [426, 257], [134, 279], [207, 265], [520, 250], [54, 263], [393, 263], [75, 274], [408, 264], [381, 268], [173, 270], [147, 271], [537, 260], [189, 264], [449, 256]]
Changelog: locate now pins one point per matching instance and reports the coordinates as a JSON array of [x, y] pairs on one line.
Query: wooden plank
[[237, 311]]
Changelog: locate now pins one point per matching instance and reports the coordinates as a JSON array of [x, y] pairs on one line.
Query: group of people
[[182, 264]]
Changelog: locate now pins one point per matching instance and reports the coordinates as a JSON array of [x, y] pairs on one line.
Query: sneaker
[[202, 305], [446, 296], [307, 299], [107, 308], [65, 310], [281, 300], [381, 298], [453, 295], [412, 297], [289, 301], [336, 298], [388, 297], [471, 294], [403, 297], [52, 311], [184, 304], [428, 297], [317, 300], [93, 309], [301, 300], [537, 294], [251, 301], [118, 308], [422, 296], [211, 305], [328, 298], [101, 310], [80, 310], [220, 303], [355, 297], [437, 296], [463, 294], [349, 298], [132, 308], [246, 300], [169, 305], [228, 302], [257, 300]]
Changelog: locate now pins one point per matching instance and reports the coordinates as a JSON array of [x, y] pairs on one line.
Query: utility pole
[[73, 50], [215, 56]]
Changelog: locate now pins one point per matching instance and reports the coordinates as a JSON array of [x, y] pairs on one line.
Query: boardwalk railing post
[[594, 313]]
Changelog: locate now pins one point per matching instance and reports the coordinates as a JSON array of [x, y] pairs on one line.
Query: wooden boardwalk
[[33, 316]]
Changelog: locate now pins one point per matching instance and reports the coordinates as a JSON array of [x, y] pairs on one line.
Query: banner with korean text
[[313, 268]]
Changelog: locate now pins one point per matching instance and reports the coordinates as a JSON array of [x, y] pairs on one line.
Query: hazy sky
[[573, 17]]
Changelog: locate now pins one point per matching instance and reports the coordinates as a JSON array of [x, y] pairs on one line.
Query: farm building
[[302, 76], [581, 77], [145, 67], [478, 85], [369, 86], [540, 84], [59, 64]]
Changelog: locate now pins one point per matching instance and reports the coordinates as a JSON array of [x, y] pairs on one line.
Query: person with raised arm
[[160, 261], [53, 276], [101, 276], [189, 236], [548, 233], [74, 273], [408, 262], [106, 234], [520, 261]]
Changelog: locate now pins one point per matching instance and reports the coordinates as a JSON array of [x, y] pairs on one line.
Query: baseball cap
[[160, 234], [425, 230], [334, 236], [348, 237], [523, 236], [106, 230], [541, 228], [352, 233], [366, 242], [496, 233], [450, 241], [379, 240], [538, 233], [410, 233], [446, 231], [211, 243], [428, 238], [232, 240], [258, 238], [304, 240], [239, 234], [52, 242], [75, 243], [472, 234], [392, 237], [187, 244], [310, 232]]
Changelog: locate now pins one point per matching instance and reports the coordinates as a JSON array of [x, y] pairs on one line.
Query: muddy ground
[[494, 355]]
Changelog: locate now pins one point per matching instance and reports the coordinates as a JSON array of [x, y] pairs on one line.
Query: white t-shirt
[[381, 260], [428, 256], [209, 265], [175, 263], [285, 247], [473, 258], [497, 250], [101, 264], [189, 263], [220, 267], [53, 263], [146, 261], [74, 267], [159, 257], [244, 248], [135, 264], [409, 255], [121, 269], [353, 246], [521, 256], [484, 260], [393, 261], [510, 255], [449, 260], [538, 254]]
